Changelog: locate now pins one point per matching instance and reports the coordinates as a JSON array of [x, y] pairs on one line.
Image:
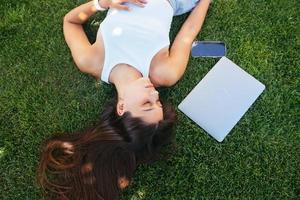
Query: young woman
[[132, 51]]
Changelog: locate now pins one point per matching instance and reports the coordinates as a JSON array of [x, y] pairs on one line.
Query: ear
[[120, 107]]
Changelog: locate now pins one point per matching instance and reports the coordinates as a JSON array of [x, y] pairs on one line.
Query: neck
[[121, 76]]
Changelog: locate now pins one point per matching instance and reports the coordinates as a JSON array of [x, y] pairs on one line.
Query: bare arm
[[86, 55], [181, 47], [75, 35]]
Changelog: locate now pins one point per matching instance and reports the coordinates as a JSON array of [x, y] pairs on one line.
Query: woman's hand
[[118, 4]]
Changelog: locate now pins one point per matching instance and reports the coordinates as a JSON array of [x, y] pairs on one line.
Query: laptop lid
[[221, 98]]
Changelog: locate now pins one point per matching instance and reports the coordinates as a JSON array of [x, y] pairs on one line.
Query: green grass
[[42, 92]]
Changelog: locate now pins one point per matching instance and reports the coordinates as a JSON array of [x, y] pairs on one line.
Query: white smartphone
[[212, 49]]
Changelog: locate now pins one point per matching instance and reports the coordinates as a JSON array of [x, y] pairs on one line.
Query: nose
[[154, 96]]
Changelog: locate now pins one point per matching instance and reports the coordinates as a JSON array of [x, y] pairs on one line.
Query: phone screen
[[208, 49]]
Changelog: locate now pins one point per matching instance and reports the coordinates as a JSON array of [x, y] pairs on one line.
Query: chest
[[98, 50]]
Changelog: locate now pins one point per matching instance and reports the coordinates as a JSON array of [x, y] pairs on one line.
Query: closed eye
[[148, 103], [147, 106]]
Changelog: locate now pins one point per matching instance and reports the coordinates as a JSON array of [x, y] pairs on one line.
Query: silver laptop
[[221, 98]]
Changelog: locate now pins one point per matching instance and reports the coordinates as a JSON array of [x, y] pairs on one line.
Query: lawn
[[42, 92]]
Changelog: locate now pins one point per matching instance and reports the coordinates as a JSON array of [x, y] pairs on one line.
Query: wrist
[[104, 3], [99, 5]]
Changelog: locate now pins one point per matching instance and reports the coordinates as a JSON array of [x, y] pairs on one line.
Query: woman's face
[[141, 99]]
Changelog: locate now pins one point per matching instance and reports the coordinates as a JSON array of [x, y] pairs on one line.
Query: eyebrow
[[149, 109]]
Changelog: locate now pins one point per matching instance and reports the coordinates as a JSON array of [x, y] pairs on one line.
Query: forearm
[[181, 47], [195, 20], [80, 14]]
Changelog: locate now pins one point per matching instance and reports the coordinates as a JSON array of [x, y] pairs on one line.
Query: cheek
[[134, 98]]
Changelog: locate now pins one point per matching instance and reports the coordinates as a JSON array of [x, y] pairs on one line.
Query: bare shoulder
[[96, 57], [160, 61]]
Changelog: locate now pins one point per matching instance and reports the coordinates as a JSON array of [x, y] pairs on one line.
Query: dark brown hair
[[93, 164]]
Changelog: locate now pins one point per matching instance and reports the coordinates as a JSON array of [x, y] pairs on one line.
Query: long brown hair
[[98, 162]]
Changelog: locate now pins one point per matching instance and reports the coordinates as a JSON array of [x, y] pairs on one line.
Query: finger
[[122, 7], [140, 3], [118, 2], [143, 1], [137, 2]]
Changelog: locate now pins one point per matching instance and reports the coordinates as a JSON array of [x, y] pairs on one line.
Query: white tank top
[[134, 37]]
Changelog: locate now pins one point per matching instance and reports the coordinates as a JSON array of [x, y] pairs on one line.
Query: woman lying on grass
[[132, 53]]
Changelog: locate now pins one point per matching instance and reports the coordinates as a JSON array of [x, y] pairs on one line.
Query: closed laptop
[[221, 98]]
